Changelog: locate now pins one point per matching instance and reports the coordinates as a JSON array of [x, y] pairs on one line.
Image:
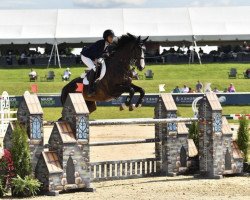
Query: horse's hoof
[[138, 106], [131, 107], [123, 106]]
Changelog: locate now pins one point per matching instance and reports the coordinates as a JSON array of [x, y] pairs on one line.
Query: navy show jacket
[[95, 50]]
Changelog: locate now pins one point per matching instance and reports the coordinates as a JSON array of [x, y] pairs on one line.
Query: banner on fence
[[238, 99]]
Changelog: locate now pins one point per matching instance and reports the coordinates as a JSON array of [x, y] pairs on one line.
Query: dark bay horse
[[118, 77]]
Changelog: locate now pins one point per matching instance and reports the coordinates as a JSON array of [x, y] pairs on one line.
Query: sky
[[71, 4]]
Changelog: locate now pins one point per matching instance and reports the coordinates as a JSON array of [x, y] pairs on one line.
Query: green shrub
[[194, 134], [2, 189], [243, 137], [20, 152], [26, 187]]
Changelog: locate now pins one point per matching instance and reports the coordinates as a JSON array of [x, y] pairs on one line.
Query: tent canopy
[[161, 24]]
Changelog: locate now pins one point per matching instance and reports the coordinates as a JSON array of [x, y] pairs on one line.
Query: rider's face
[[110, 39]]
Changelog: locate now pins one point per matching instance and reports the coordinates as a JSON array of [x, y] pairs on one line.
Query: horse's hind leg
[[91, 106], [142, 94]]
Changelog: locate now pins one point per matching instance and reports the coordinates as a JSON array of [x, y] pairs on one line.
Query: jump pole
[[139, 141], [139, 121]]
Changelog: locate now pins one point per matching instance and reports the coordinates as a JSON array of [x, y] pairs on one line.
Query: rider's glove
[[105, 55]]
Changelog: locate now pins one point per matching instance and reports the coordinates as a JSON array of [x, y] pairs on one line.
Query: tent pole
[[58, 57], [193, 52], [51, 55], [195, 44], [190, 54], [55, 55]]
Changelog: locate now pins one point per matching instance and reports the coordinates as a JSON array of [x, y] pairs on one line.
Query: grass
[[15, 79], [52, 114]]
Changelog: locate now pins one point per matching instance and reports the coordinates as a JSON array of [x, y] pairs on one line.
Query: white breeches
[[90, 64], [87, 61]]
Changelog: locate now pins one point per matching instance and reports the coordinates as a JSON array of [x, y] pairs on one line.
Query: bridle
[[133, 60]]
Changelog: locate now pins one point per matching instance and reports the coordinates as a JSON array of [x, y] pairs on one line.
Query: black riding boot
[[91, 88]]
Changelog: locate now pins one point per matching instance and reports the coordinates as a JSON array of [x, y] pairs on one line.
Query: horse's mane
[[123, 40]]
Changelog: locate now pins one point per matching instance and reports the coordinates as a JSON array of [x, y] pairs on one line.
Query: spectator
[[248, 72], [177, 90], [201, 51], [179, 50], [165, 52], [9, 59], [199, 86], [191, 91], [171, 50], [215, 90], [66, 74], [33, 74], [245, 47], [185, 89], [231, 88], [22, 60]]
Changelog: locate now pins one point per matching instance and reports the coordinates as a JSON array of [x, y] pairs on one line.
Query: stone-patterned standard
[[68, 150], [172, 150], [215, 140], [30, 115]]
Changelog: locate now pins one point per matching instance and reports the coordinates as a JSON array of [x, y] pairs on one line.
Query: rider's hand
[[95, 61], [105, 55]]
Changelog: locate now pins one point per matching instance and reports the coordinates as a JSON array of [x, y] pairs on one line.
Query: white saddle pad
[[103, 72]]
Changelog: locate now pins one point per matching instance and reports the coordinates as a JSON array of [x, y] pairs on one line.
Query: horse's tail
[[64, 95], [69, 88]]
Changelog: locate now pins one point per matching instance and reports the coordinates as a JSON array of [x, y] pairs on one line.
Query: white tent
[[27, 26], [161, 24], [220, 23]]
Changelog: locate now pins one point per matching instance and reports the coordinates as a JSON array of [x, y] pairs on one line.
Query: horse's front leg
[[142, 94], [131, 91]]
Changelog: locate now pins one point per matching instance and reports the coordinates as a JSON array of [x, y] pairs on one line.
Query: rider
[[91, 54]]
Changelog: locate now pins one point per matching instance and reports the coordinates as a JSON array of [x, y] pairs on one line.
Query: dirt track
[[177, 188]]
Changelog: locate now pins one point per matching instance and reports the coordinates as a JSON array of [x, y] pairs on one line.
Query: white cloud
[[108, 3], [9, 4]]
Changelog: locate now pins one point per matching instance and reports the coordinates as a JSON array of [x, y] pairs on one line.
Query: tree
[[243, 136], [193, 133], [20, 152]]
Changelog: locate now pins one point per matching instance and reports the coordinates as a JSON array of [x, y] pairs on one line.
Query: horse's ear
[[138, 39], [130, 35], [145, 39]]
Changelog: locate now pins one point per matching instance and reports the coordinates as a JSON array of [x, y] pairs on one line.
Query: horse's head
[[138, 52], [133, 49]]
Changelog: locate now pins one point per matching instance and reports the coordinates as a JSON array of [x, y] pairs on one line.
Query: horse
[[128, 51]]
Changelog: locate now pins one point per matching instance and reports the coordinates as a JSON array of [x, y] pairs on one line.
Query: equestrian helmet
[[107, 33]]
